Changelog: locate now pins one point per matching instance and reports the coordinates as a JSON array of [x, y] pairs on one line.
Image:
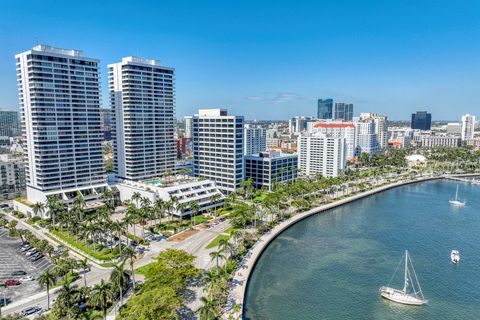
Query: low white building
[[183, 188]]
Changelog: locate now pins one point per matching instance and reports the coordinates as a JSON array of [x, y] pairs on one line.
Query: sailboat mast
[[456, 194], [406, 270]]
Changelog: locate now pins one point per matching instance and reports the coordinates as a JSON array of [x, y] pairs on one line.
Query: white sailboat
[[411, 293], [456, 201], [455, 256]]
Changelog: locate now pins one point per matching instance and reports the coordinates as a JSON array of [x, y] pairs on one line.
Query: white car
[[27, 278]]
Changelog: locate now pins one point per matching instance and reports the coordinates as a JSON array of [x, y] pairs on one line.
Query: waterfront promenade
[[241, 277]]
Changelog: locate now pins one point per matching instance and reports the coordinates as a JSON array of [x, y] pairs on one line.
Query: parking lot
[[11, 259]]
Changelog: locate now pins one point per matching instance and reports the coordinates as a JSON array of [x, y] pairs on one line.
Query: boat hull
[[456, 203], [400, 297]]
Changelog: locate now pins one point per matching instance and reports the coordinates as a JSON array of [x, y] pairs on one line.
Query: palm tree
[[194, 208], [144, 213], [131, 217], [53, 206], [68, 295], [47, 279], [101, 295], [129, 254], [136, 197], [82, 264], [37, 208], [119, 277], [158, 209], [209, 310], [215, 200], [215, 255]]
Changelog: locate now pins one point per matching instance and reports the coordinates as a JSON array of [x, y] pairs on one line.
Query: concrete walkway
[[240, 279]]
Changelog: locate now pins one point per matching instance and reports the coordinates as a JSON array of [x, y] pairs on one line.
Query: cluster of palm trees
[[71, 297], [216, 279]]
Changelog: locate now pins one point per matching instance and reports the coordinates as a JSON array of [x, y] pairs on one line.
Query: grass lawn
[[229, 230], [200, 219], [144, 269], [100, 253], [216, 241]]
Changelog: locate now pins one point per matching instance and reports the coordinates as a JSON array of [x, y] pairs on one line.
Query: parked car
[[18, 273], [23, 249], [139, 250], [3, 205], [12, 283], [31, 253], [31, 310], [27, 278], [134, 243], [36, 257]]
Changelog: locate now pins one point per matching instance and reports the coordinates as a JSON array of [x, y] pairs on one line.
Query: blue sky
[[271, 59]]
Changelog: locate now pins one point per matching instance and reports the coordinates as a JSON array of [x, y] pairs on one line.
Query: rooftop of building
[[50, 49]]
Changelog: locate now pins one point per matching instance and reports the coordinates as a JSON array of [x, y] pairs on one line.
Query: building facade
[[9, 123], [185, 190], [421, 120], [367, 137], [218, 148], [320, 154], [454, 128], [381, 127], [468, 127], [255, 139], [268, 168], [343, 111], [60, 106], [325, 109], [142, 96], [12, 177], [338, 129], [106, 123], [188, 127], [431, 141]]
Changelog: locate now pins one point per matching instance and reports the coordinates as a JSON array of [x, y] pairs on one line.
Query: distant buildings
[[188, 127], [381, 128], [9, 123], [218, 148], [421, 120], [343, 111], [325, 109], [255, 139], [454, 128], [321, 154], [268, 168], [298, 124], [106, 123], [60, 103], [184, 148], [142, 98], [431, 141], [468, 127], [367, 136], [12, 177]]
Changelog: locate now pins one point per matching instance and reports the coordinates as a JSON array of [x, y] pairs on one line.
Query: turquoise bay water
[[331, 265]]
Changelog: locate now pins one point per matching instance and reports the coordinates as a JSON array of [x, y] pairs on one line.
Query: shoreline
[[242, 275]]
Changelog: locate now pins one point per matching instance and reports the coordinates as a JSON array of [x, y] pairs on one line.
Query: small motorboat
[[455, 256]]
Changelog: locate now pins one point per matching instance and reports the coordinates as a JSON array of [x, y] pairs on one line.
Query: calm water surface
[[331, 265]]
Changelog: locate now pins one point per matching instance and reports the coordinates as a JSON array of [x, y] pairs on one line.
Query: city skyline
[[267, 63]]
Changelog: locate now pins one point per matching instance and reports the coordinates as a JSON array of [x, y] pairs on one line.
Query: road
[[195, 244]]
